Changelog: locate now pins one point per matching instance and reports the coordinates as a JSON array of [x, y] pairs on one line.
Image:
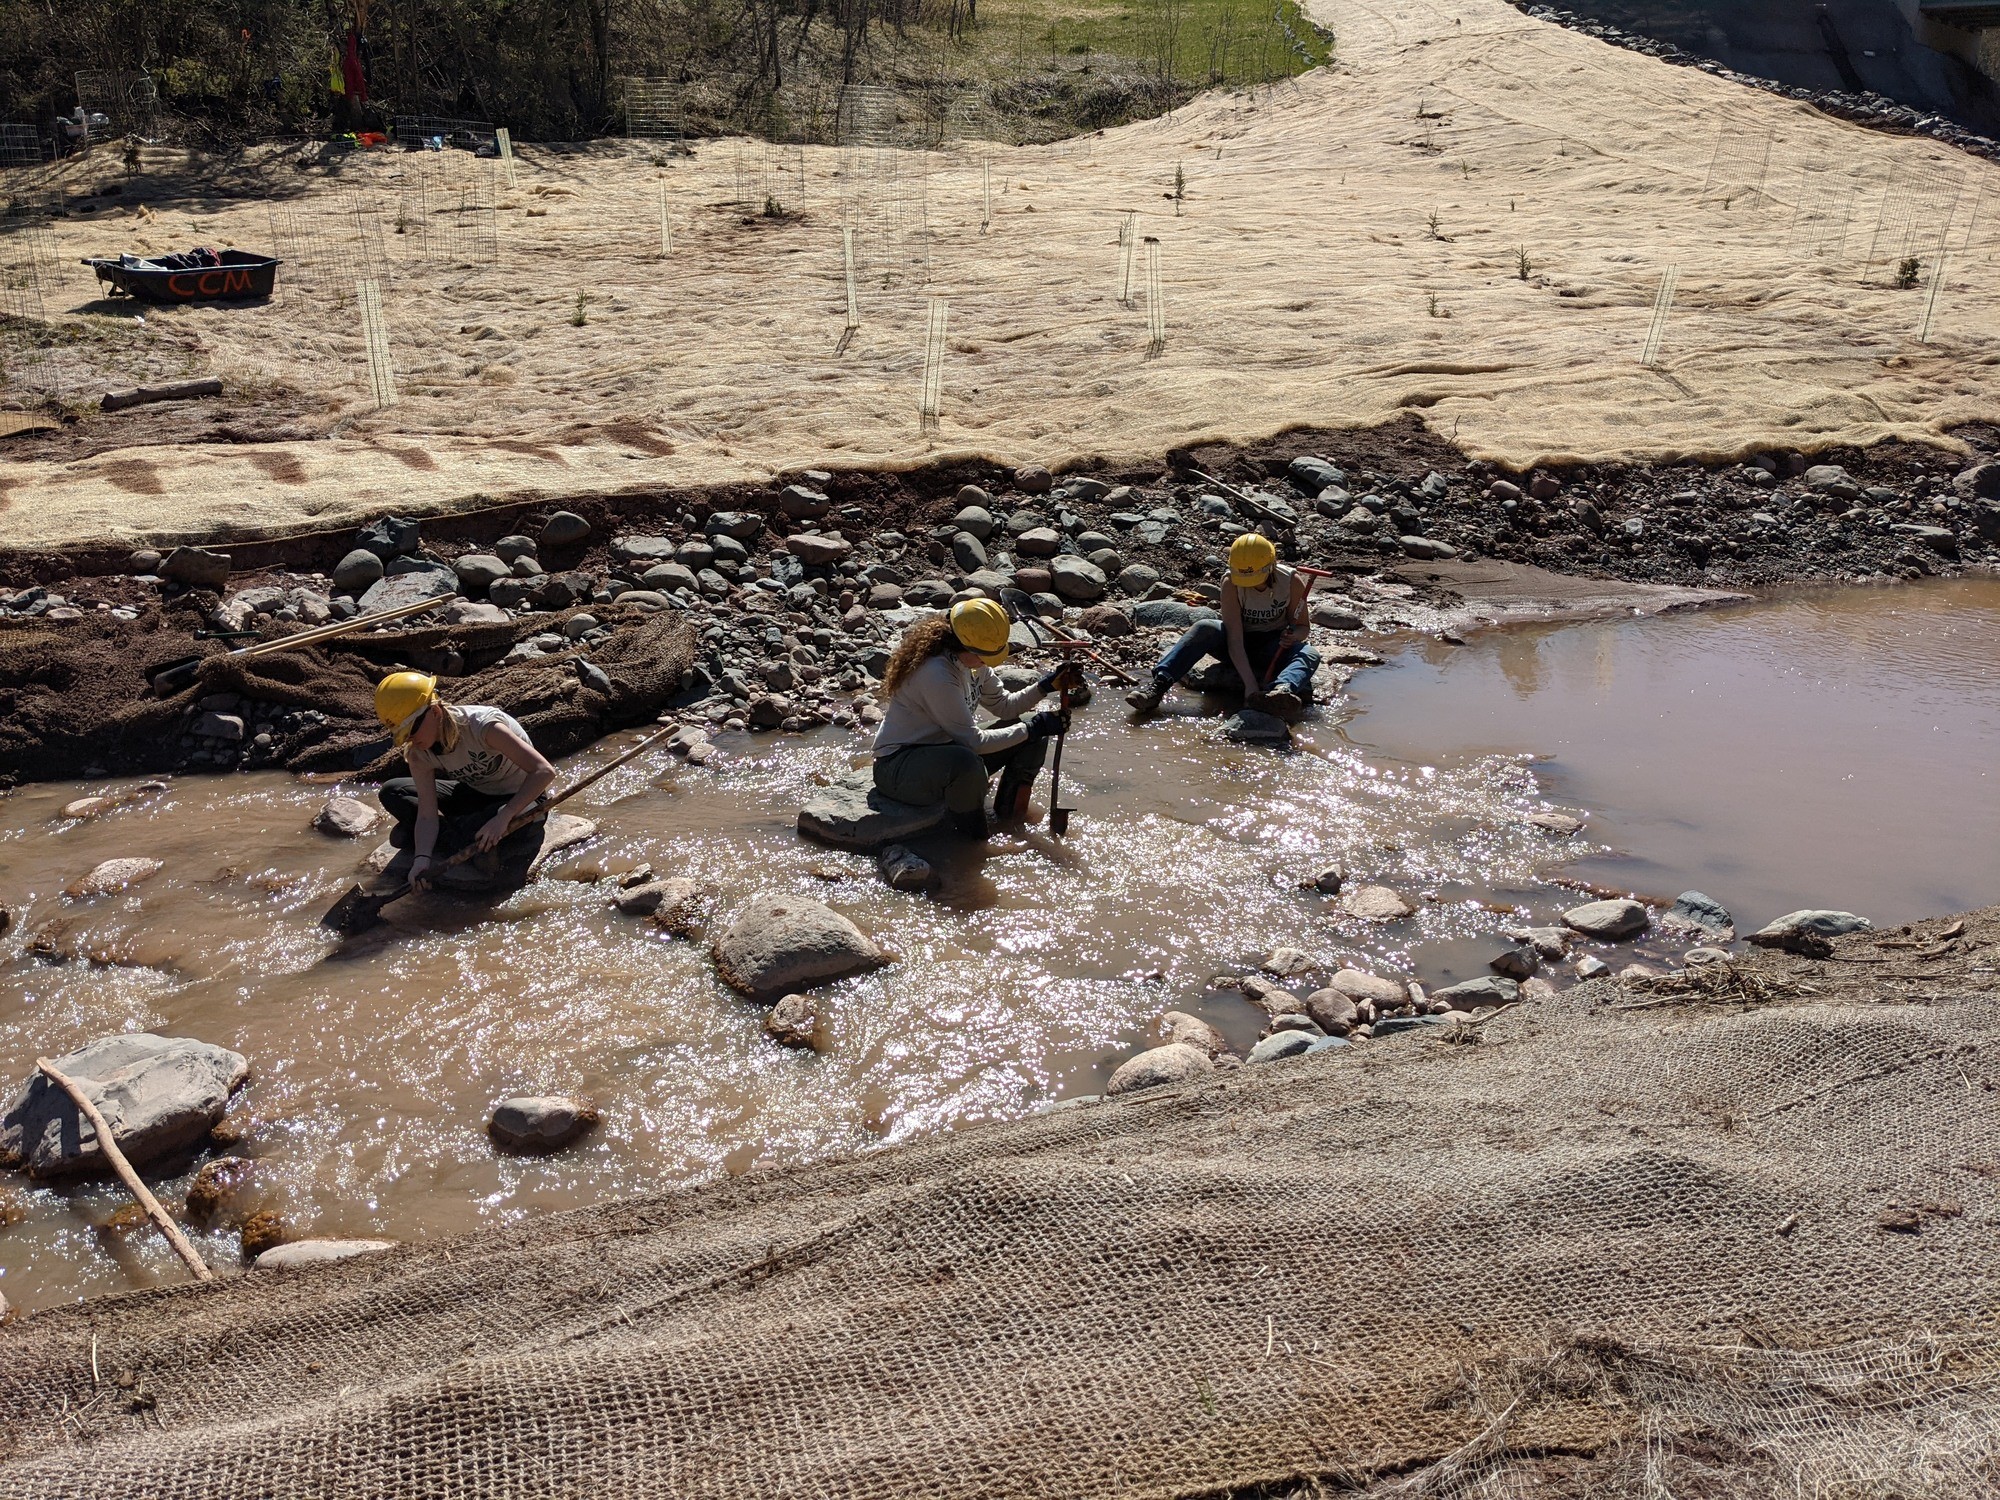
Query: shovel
[[361, 908], [1058, 814], [175, 675]]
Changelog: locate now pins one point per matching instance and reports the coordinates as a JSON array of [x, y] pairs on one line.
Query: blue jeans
[[1295, 664]]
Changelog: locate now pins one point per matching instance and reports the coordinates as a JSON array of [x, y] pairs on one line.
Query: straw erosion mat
[[1705, 1237], [1469, 214]]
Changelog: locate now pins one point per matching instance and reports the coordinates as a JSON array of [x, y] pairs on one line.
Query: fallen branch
[[186, 390], [124, 1169]]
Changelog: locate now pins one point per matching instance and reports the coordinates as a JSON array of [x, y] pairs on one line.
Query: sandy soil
[[1304, 281]]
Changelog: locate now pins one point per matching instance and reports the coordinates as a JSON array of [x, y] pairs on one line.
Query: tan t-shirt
[[1264, 609], [472, 762]]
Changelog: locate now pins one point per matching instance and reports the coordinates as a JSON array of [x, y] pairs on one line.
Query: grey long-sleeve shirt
[[935, 704]]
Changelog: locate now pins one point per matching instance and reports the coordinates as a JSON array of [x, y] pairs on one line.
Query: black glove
[[1046, 723], [1069, 675]]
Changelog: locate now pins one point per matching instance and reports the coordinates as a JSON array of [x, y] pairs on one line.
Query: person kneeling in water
[[928, 749], [1262, 634], [491, 774]]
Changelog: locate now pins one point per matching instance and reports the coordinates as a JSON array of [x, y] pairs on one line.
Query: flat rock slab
[[316, 1253], [780, 942], [409, 588], [113, 875], [1808, 931], [1479, 994], [1281, 1044], [852, 814], [158, 1094], [1375, 903], [1491, 592]]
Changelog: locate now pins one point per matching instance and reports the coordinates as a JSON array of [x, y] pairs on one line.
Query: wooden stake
[[124, 1169]]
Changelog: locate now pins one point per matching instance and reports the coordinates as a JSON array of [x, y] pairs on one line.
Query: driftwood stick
[[124, 1169]]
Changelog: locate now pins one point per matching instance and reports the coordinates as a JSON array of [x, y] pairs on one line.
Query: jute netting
[[1595, 1252]]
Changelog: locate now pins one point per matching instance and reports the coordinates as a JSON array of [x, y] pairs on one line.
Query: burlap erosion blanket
[[1735, 1244], [75, 694]]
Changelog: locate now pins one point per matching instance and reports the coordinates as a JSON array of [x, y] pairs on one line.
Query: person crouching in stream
[[1263, 634], [472, 772], [929, 750]]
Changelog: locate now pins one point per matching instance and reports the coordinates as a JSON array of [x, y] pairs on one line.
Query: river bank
[[1726, 1238], [791, 593]]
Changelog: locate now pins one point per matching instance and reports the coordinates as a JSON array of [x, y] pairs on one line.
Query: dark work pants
[[462, 812], [925, 775]]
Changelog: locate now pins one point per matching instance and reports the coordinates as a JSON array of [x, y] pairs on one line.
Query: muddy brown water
[[1822, 749]]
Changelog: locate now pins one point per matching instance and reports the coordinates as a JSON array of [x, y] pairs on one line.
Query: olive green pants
[[925, 775]]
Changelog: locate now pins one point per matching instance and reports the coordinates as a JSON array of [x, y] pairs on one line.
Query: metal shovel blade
[[361, 908], [1059, 821]]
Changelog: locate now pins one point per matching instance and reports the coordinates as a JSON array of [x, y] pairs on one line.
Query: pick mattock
[[1058, 814], [1301, 619], [361, 908]]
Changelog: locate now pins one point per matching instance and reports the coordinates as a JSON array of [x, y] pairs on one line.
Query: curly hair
[[922, 641]]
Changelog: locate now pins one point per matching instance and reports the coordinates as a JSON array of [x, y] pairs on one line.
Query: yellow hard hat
[[981, 626], [1251, 558], [400, 700]]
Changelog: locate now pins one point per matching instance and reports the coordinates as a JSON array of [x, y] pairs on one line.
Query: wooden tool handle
[[338, 628], [543, 805], [124, 1169]]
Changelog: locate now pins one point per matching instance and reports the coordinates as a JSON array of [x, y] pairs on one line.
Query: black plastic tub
[[225, 276]]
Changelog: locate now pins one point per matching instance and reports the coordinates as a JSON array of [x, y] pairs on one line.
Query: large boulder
[[1179, 1026], [852, 814], [357, 572], [346, 817], [1077, 580], [196, 568], [1281, 1044], [158, 1094], [1377, 989], [1170, 613], [1609, 921], [392, 536], [1699, 916], [1809, 932], [393, 592], [814, 550], [1313, 474], [479, 571], [1479, 994], [1375, 903], [536, 1124], [780, 942], [1176, 1062], [1333, 1011]]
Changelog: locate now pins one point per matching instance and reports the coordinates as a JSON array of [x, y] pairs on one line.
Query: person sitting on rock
[[928, 749], [1263, 634], [473, 771]]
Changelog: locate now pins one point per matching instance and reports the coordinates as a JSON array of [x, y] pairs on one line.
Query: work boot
[[1010, 802], [1145, 701], [1278, 702], [971, 825]]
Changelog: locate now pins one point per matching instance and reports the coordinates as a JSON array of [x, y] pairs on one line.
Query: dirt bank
[[1726, 1240], [795, 593]]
